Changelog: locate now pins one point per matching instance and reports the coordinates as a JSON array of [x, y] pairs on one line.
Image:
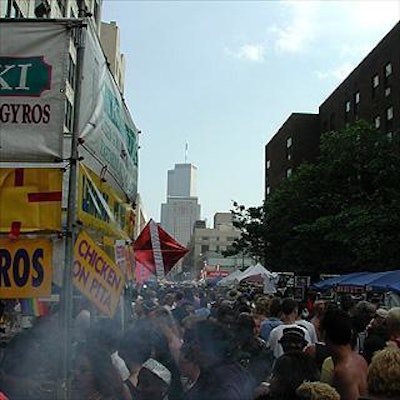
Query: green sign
[[28, 76]]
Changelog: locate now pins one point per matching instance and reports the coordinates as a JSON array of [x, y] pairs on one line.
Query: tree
[[341, 213], [250, 223]]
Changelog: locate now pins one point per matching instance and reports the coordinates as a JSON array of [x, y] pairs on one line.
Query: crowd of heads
[[194, 343]]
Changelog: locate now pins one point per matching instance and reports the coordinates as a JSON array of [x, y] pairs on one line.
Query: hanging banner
[[106, 127], [102, 208], [33, 67], [25, 268], [30, 199], [96, 275], [120, 255], [156, 250]]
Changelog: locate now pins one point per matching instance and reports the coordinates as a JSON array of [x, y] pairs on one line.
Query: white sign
[[33, 67]]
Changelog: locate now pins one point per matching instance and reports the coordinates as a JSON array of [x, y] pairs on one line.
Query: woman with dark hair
[[95, 378]]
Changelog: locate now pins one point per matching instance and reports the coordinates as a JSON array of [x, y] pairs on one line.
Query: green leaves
[[341, 213]]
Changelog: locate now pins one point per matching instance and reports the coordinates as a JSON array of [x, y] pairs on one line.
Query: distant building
[[371, 92], [181, 210], [208, 244], [295, 142], [110, 41]]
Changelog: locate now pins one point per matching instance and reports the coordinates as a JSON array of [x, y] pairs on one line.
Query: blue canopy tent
[[386, 280], [395, 287], [337, 280], [366, 279]]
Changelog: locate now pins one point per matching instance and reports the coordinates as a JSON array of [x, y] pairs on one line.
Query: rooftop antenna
[[186, 151]]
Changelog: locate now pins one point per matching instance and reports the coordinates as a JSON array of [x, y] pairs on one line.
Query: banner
[[25, 268], [33, 67], [102, 208], [156, 250], [106, 127], [96, 275], [30, 199]]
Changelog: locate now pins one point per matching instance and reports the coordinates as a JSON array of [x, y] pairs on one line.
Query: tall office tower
[[181, 210]]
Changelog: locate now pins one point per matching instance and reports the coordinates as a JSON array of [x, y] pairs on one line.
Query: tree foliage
[[340, 214]]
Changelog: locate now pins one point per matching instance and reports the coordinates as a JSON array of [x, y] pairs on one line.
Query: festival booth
[[256, 274], [365, 281], [231, 279], [385, 285]]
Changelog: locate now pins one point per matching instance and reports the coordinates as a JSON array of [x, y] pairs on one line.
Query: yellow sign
[[96, 275], [102, 208], [25, 268], [30, 198]]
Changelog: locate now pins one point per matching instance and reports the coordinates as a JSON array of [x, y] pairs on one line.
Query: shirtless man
[[350, 369]]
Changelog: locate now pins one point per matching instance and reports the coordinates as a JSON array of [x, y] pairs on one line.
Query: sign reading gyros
[[25, 268], [96, 275]]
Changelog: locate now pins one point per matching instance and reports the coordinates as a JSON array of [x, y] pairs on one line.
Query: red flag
[[157, 250]]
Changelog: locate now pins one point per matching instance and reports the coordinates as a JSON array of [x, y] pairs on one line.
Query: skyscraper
[[181, 210]]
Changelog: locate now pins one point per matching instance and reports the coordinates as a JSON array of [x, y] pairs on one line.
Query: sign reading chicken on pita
[[96, 275]]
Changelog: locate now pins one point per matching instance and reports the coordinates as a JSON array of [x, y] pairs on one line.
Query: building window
[[377, 122], [68, 114], [268, 190], [268, 164], [204, 238], [204, 248], [289, 142], [375, 81], [388, 69], [357, 97], [217, 249], [389, 113], [289, 172], [288, 155], [347, 106], [388, 90]]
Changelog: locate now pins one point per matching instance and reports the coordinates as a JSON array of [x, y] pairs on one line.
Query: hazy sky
[[223, 76]]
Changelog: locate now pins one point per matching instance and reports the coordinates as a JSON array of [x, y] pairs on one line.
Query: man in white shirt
[[289, 317]]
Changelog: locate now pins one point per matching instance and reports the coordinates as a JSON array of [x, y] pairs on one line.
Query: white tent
[[257, 269], [230, 279]]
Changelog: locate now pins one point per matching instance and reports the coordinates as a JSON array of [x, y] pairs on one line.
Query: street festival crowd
[[198, 343]]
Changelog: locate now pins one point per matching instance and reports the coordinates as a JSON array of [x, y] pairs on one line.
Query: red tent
[[156, 250]]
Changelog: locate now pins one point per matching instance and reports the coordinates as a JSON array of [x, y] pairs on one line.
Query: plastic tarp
[[257, 269], [362, 280], [386, 280], [230, 279], [335, 281]]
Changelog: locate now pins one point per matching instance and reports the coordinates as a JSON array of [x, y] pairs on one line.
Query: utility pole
[[66, 299]]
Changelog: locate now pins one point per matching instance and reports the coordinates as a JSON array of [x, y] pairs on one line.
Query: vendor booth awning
[[386, 280]]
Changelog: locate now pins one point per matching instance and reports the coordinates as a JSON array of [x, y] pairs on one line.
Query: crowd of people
[[192, 343]]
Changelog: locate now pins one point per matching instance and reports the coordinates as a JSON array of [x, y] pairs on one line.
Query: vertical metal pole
[[64, 388]]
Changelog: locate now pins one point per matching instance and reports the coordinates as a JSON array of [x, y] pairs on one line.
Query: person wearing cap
[[289, 317], [153, 381]]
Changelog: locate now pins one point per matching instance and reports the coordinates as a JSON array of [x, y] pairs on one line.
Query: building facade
[[181, 210], [208, 244], [295, 142], [371, 92]]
